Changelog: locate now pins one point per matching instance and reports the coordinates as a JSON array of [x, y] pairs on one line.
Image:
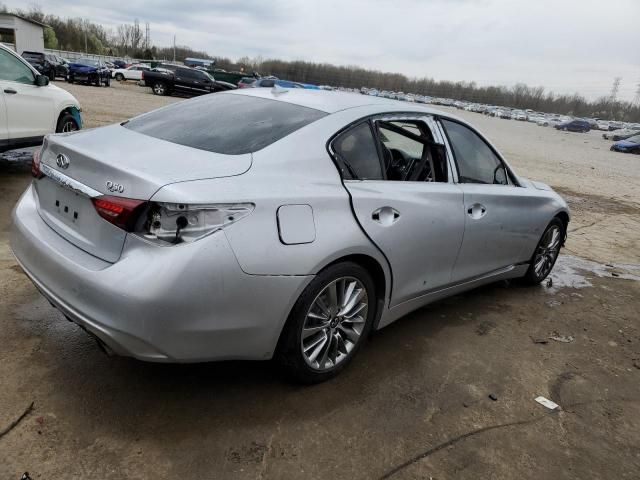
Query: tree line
[[76, 34]]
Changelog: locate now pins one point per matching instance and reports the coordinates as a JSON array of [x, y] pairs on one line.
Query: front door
[[498, 214], [404, 199], [29, 108]]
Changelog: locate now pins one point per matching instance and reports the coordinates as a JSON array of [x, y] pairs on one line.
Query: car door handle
[[10, 91], [385, 216], [477, 211]]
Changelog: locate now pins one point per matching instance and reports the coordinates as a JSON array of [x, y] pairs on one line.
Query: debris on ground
[[493, 397], [550, 282], [562, 338], [542, 341], [13, 424], [25, 476], [551, 405], [553, 303]]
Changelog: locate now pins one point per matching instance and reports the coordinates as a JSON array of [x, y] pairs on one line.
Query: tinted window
[[225, 123], [356, 151], [14, 70], [475, 160], [267, 83]]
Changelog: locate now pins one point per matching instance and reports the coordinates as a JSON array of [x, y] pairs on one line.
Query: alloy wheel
[[334, 323], [69, 126], [547, 251]]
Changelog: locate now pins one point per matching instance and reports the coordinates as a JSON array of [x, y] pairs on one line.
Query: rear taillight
[[122, 212], [35, 165]]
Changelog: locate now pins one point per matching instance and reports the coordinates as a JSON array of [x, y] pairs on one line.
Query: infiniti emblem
[[62, 161]]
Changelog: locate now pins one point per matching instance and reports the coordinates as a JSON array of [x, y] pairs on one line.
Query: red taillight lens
[[122, 212], [35, 165]]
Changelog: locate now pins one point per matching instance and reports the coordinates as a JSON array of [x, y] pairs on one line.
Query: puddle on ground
[[576, 272]]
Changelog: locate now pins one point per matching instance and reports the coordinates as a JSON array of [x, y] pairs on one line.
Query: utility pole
[[86, 50], [636, 99], [614, 89], [174, 48], [147, 36]]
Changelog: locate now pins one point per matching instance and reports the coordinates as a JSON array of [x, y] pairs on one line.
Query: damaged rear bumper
[[184, 303]]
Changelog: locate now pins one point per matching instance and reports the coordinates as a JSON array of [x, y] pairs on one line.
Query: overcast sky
[[564, 45]]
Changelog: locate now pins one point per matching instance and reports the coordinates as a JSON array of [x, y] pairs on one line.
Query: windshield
[[635, 138], [225, 123], [88, 61]]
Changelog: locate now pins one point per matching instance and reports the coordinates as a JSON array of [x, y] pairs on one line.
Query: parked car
[[574, 126], [183, 80], [46, 64], [193, 246], [246, 82], [620, 134], [134, 72], [33, 106], [630, 145], [90, 71], [271, 82], [120, 63]]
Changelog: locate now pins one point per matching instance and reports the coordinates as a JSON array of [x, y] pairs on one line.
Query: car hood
[[139, 163]]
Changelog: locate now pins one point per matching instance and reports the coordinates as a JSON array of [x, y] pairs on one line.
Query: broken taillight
[[121, 212], [35, 165]]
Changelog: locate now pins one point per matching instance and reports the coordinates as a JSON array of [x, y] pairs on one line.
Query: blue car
[[574, 126], [89, 71], [630, 145], [272, 82]]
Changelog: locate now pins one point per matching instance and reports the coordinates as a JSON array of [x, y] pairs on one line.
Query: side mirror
[[42, 80]]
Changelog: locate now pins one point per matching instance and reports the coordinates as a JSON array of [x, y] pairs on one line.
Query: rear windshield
[[32, 56], [225, 123]]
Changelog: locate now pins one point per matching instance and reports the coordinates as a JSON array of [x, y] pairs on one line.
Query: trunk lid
[[118, 162]]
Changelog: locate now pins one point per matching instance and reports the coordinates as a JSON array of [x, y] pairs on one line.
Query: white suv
[[30, 107]]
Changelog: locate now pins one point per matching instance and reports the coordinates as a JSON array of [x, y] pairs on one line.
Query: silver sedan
[[281, 224]]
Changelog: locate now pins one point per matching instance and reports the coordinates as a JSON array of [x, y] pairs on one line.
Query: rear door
[[500, 217], [403, 198]]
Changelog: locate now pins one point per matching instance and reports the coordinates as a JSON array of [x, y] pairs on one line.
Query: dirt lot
[[415, 404]]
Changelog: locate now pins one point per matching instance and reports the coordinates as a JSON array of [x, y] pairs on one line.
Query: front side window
[[14, 70], [476, 161], [357, 153]]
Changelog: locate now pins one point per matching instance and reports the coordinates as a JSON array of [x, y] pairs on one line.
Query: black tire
[[70, 79], [289, 352], [51, 75], [532, 277], [119, 77], [66, 123], [160, 88], [107, 82]]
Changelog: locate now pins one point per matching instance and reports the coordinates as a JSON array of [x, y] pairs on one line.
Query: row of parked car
[[625, 135]]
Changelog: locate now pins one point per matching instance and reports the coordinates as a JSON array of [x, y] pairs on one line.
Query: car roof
[[333, 101]]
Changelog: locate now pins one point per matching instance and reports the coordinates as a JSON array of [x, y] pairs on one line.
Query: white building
[[21, 34]]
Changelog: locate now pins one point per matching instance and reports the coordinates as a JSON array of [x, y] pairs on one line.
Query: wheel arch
[[564, 218], [378, 274], [73, 111]]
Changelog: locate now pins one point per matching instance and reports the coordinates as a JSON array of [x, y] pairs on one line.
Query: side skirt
[[393, 314]]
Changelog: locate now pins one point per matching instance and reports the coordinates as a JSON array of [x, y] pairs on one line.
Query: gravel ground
[[447, 392]]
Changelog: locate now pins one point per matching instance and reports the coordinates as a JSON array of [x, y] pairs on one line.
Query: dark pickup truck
[[184, 80]]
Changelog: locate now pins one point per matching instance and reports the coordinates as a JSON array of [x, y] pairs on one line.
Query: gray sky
[[564, 45]]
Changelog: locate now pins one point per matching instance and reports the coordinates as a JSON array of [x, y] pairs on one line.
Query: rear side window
[[356, 151], [225, 123]]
